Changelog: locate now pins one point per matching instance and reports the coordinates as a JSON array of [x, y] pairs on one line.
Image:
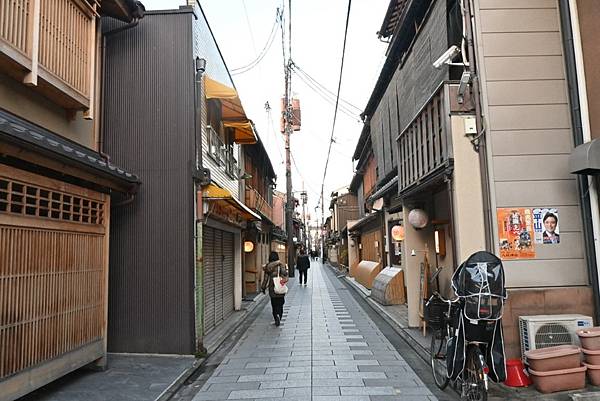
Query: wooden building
[[58, 191], [459, 141], [259, 197]]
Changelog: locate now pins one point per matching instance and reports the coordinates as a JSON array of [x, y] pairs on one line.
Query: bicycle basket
[[435, 311]]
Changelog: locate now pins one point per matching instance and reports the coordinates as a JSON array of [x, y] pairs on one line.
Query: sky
[[242, 28]]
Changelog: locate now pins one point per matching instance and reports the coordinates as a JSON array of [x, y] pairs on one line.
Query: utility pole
[[304, 196], [289, 208]]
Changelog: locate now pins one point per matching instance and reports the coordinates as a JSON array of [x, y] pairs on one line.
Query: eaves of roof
[[29, 135]]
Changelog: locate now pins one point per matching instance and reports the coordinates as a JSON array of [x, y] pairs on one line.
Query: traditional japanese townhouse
[[365, 236], [58, 191], [343, 207], [472, 128], [259, 182], [174, 117]]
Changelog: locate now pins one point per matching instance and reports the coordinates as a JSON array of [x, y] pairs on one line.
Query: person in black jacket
[[303, 264], [273, 269]]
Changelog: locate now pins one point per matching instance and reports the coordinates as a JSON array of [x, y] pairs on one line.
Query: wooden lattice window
[[26, 199]]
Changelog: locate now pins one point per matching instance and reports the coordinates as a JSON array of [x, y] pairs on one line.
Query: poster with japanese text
[[545, 226], [515, 233]]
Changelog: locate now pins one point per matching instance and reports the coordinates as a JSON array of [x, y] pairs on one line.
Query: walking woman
[[271, 270]]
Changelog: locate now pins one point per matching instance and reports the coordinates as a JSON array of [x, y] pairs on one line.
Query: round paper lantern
[[398, 233], [248, 246], [418, 218]]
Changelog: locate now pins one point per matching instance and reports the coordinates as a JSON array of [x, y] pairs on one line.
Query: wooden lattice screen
[[53, 265]]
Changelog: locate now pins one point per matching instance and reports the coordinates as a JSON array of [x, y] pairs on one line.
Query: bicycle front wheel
[[474, 377], [438, 354]]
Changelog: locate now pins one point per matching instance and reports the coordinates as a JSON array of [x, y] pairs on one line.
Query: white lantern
[[418, 218]]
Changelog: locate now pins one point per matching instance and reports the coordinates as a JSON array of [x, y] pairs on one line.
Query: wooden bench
[[366, 271], [388, 287]]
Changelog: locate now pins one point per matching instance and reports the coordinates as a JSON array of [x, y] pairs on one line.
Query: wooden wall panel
[[52, 269]]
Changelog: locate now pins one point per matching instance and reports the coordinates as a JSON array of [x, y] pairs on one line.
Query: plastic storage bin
[[559, 380], [554, 358], [591, 357], [590, 338], [593, 373]]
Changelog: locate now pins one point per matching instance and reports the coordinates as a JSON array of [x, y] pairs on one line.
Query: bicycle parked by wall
[[467, 346]]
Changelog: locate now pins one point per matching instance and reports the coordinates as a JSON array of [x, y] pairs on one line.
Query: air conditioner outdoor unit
[[542, 331]]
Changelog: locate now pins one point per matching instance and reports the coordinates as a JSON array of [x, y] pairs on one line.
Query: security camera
[[447, 57]]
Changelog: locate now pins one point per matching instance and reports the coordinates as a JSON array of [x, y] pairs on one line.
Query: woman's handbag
[[279, 287]]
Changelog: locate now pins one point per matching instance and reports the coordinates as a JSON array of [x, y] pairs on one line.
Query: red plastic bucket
[[515, 374]]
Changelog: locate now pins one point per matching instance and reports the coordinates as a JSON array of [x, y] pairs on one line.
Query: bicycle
[[473, 381]]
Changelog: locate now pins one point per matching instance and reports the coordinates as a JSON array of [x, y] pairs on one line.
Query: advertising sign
[[545, 225], [516, 233]]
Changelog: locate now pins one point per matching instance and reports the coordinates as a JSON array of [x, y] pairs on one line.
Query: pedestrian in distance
[[303, 264], [272, 270]]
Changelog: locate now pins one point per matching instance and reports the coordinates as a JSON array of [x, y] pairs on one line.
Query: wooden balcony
[[425, 146], [255, 201], [51, 46]]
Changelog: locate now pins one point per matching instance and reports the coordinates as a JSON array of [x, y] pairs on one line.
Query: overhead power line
[[336, 104], [349, 105], [264, 51], [328, 99]]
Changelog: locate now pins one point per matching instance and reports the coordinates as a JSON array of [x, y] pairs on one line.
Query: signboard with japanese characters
[[516, 233]]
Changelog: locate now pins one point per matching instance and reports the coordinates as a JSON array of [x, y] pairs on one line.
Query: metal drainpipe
[[100, 141], [483, 161], [199, 349], [455, 256], [581, 133]]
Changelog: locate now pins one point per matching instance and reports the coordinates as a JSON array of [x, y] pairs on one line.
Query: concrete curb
[[176, 385]]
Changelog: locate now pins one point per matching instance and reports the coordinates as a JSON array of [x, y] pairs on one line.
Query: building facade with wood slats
[[501, 140], [56, 191]]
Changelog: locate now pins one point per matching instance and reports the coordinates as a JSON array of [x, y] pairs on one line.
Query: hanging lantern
[[248, 246], [398, 233], [418, 218]]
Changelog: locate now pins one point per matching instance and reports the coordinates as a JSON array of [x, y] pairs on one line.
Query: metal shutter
[[218, 277], [208, 250], [228, 274]]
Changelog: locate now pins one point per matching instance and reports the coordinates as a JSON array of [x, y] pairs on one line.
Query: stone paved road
[[325, 350]]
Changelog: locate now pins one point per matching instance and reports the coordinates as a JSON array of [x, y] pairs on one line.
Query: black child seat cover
[[479, 283]]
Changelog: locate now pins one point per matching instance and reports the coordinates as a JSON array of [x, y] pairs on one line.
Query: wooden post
[[94, 31], [34, 39]]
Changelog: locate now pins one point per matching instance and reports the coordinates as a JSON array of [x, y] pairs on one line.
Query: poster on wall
[[545, 225], [515, 233]]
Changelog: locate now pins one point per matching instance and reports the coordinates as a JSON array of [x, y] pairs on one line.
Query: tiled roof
[[25, 132]]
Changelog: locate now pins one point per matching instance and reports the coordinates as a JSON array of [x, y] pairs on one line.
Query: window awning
[[232, 111], [217, 194], [585, 158]]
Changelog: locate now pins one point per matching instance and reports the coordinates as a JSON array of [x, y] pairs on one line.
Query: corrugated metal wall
[[149, 131]]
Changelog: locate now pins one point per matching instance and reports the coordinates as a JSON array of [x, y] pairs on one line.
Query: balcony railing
[[425, 146], [221, 153], [255, 201], [51, 42]]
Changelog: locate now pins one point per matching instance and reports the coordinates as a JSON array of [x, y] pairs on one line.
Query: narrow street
[[327, 348]]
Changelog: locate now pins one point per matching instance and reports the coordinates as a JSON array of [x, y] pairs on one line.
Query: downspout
[[479, 142], [199, 349], [455, 255], [588, 191], [100, 141]]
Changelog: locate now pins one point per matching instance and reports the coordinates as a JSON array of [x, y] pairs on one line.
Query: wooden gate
[[53, 279]]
